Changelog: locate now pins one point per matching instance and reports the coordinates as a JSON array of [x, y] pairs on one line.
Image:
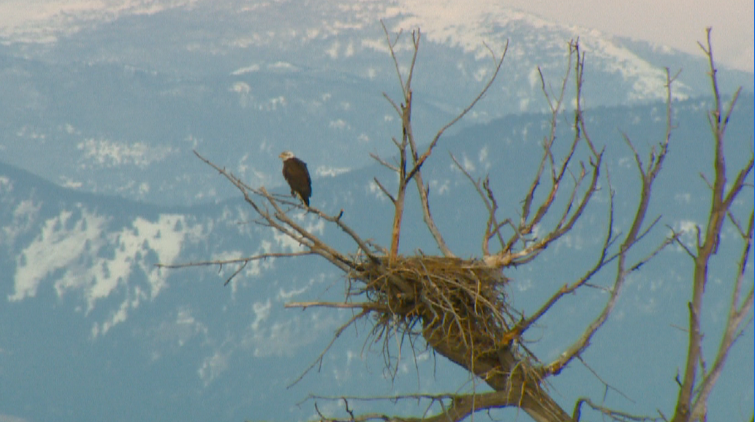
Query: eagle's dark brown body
[[296, 174]]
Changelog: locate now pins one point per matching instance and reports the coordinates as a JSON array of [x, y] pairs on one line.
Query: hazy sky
[[677, 23]]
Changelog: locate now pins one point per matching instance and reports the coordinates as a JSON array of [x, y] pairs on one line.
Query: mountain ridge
[[117, 104]]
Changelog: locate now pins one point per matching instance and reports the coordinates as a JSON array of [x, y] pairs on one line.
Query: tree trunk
[[502, 371]]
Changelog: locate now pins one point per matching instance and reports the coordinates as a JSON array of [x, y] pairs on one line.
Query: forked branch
[[693, 393], [410, 160], [521, 248], [271, 214], [635, 233]]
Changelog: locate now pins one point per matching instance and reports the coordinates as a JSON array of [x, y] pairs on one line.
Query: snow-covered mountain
[[91, 330], [110, 97]]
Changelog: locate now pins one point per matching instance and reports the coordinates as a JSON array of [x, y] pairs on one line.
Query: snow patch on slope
[[104, 153], [490, 24], [78, 251]]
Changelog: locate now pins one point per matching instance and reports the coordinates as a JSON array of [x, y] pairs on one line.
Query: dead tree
[[459, 307], [695, 388]]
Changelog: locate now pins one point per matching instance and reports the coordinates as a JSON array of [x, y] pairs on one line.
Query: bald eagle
[[296, 174]]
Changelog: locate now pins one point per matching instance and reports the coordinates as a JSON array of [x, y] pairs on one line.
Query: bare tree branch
[[623, 269], [456, 407], [688, 407], [221, 262], [279, 220], [384, 190], [419, 161], [404, 176], [335, 305], [548, 143], [339, 331], [384, 163], [733, 329], [488, 199], [566, 289], [613, 414]]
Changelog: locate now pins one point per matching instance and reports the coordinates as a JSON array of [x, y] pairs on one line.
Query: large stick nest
[[456, 301]]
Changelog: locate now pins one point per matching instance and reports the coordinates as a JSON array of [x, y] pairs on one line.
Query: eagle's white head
[[285, 155]]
